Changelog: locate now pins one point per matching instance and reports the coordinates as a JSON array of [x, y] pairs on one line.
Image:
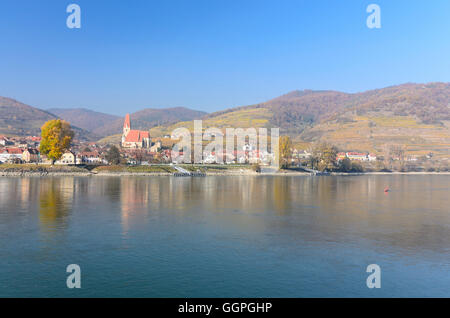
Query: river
[[223, 236]]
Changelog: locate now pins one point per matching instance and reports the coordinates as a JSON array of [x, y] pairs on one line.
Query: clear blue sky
[[213, 54]]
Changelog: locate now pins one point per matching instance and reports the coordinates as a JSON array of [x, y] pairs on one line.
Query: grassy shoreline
[[7, 170]]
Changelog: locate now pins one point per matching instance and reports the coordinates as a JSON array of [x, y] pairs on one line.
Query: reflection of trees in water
[[335, 209], [281, 194], [111, 188], [213, 194], [180, 194], [55, 202], [216, 194], [18, 194]]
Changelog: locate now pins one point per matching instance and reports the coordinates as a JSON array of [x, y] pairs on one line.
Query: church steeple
[[126, 125]]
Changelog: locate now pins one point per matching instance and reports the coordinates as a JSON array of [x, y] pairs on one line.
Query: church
[[134, 138]]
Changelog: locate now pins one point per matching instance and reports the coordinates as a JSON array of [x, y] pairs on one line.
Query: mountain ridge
[[364, 121], [415, 115], [20, 119]]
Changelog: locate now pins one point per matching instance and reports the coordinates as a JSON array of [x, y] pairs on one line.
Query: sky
[[213, 54]]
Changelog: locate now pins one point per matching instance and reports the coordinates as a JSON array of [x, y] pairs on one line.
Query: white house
[[10, 154], [68, 158]]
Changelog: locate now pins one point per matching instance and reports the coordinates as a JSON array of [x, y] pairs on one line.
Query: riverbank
[[13, 170], [32, 170], [389, 173]]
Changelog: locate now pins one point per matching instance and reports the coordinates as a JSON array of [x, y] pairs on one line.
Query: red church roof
[[137, 136]]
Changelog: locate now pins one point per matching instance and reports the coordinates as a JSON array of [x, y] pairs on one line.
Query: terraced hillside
[[415, 116]]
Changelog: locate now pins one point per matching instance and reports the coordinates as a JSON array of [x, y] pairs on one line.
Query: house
[[372, 157], [131, 161], [30, 155], [247, 147], [68, 158], [341, 156], [357, 156], [33, 141], [4, 141], [90, 157], [254, 157], [11, 155], [166, 155], [134, 138], [22, 143], [156, 147], [267, 158], [209, 158], [303, 154]]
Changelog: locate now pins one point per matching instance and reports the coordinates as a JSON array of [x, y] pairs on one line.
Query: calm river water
[[264, 236]]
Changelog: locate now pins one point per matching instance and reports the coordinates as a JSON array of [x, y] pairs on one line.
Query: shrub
[[256, 167]]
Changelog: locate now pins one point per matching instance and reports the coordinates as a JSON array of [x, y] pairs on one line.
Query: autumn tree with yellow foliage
[[324, 156], [56, 138], [285, 151]]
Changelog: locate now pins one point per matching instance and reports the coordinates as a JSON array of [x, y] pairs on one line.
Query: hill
[[415, 116], [84, 118], [148, 118], [18, 119]]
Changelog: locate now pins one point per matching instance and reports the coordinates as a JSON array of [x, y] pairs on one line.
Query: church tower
[[126, 125], [134, 138], [126, 128]]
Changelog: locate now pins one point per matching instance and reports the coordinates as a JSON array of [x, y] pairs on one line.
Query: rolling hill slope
[[18, 119], [148, 118], [415, 116], [84, 118]]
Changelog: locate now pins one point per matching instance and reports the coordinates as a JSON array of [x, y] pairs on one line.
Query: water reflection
[[335, 209], [225, 236], [55, 202]]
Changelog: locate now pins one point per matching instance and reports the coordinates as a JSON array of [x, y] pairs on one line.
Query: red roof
[[14, 151], [91, 154], [355, 154], [137, 136]]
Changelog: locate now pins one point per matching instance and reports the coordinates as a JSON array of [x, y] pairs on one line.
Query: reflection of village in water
[[334, 208]]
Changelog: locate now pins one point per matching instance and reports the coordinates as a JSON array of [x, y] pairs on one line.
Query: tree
[[113, 155], [285, 151], [256, 167], [397, 152], [140, 155], [345, 165], [56, 138], [324, 156]]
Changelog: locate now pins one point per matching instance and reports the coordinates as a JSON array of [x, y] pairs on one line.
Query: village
[[137, 148], [21, 150]]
